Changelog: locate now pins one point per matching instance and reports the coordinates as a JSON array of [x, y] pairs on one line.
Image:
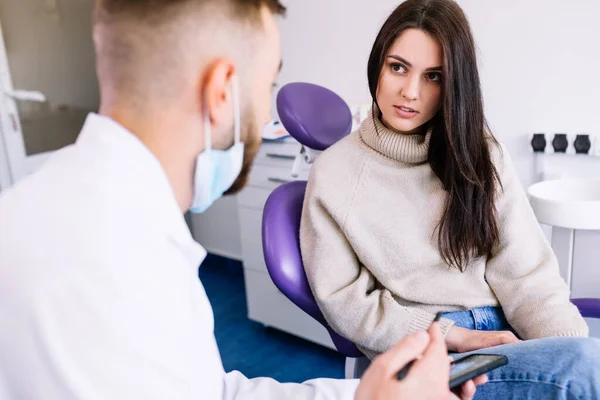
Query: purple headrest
[[313, 115]]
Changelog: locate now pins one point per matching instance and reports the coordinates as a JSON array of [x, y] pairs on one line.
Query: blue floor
[[249, 347]]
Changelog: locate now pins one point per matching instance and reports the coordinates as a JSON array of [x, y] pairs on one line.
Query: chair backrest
[[313, 115], [317, 118]]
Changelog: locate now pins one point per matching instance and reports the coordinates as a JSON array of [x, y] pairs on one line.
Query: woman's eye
[[399, 68], [434, 76]]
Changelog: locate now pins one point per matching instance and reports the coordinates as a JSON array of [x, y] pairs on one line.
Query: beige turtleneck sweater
[[369, 245]]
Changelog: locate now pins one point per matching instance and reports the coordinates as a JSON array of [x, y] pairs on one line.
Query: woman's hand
[[462, 340]]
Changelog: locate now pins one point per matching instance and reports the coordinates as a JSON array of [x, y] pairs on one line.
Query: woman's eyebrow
[[402, 60], [409, 65]]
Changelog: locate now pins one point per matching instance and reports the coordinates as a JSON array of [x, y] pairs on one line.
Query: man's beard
[[252, 142]]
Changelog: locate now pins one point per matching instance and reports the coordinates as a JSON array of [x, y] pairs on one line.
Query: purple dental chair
[[317, 118]]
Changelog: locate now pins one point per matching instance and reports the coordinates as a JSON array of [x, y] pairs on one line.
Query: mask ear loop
[[236, 109], [207, 131]]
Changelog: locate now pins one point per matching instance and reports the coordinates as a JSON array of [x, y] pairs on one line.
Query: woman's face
[[409, 89]]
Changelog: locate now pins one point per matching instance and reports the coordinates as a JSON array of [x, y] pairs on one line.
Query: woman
[[421, 211]]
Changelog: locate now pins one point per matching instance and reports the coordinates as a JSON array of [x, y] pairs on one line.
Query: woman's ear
[[217, 98]]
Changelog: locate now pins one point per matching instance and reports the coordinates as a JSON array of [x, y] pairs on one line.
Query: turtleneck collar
[[410, 149]]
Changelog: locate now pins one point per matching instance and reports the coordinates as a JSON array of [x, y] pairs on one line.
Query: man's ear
[[217, 94]]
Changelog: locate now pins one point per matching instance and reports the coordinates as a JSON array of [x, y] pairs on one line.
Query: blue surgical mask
[[217, 170]]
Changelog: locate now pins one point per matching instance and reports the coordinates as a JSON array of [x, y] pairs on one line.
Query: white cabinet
[[272, 167], [218, 229]]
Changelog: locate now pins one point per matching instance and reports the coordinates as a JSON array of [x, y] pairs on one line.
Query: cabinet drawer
[[270, 177], [278, 154], [251, 232], [270, 307]]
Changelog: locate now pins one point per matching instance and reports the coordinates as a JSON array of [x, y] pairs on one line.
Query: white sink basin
[[567, 203]]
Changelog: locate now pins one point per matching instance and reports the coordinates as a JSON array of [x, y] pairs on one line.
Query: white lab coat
[[99, 291]]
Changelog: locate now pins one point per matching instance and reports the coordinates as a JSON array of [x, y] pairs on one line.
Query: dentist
[[99, 289]]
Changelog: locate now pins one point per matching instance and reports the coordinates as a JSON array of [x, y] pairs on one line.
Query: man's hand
[[462, 340], [467, 391], [427, 379]]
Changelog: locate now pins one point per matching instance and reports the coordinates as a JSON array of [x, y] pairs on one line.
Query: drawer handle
[[281, 156], [278, 180]]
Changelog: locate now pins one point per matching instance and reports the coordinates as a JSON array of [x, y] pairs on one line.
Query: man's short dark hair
[[141, 9]]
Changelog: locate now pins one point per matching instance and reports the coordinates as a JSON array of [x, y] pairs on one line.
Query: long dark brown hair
[[459, 150]]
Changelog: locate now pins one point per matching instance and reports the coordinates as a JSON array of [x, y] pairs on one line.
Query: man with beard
[[99, 292]]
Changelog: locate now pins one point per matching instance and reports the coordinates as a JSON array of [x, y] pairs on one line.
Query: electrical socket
[[574, 144], [594, 145], [563, 141], [538, 143]]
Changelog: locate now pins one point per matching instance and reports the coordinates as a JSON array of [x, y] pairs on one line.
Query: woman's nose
[[410, 91]]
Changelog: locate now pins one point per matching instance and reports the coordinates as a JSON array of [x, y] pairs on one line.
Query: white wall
[[50, 49], [327, 42], [538, 61]]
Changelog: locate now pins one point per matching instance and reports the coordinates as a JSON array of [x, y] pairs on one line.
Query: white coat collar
[[138, 171]]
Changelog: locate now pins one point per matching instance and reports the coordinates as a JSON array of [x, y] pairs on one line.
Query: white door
[[5, 174], [47, 81], [16, 162]]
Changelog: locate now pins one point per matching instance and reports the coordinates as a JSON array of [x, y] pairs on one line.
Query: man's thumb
[[405, 351]]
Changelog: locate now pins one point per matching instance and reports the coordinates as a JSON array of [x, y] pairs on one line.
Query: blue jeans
[[550, 368]]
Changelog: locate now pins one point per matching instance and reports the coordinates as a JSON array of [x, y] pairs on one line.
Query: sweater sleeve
[[354, 304], [523, 270]]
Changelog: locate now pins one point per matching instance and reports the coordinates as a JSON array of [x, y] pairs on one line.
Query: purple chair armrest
[[280, 233], [589, 308]]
